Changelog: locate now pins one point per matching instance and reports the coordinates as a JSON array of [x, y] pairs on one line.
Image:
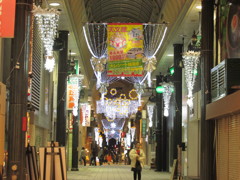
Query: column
[[18, 91], [207, 165], [61, 94], [177, 81]]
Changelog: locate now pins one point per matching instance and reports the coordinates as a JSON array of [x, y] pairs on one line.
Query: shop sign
[[7, 18], [125, 49], [86, 114], [144, 127]]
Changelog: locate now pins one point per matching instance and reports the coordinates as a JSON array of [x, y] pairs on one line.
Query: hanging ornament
[[150, 66], [167, 93], [139, 89], [99, 67], [190, 62], [103, 90], [150, 109], [47, 20]]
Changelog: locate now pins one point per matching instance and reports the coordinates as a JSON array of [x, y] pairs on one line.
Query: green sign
[[144, 127]]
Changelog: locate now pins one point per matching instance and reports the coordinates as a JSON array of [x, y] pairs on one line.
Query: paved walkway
[[113, 172]]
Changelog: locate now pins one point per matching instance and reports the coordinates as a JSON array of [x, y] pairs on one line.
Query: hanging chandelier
[[47, 20], [190, 61], [167, 93], [150, 109]]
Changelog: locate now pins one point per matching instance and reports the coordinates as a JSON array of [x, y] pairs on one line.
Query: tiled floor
[[114, 172]]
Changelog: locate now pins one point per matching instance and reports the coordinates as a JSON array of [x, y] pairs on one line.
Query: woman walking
[[137, 157]]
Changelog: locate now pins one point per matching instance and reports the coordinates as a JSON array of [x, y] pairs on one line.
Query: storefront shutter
[[36, 67]]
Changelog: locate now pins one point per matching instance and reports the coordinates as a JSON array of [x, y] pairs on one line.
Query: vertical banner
[[125, 49], [73, 87], [7, 18], [85, 114]]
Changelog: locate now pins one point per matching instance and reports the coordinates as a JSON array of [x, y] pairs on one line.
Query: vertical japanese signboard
[[73, 86], [125, 49], [7, 18], [85, 114]]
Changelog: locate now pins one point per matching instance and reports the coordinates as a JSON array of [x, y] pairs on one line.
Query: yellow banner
[[125, 45]]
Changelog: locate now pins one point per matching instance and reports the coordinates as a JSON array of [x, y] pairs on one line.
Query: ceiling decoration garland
[[96, 38]]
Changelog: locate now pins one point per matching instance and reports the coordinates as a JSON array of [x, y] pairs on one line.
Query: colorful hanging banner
[[125, 49], [7, 18]]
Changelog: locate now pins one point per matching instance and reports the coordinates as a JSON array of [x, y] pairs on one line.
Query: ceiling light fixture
[[54, 4], [199, 7], [73, 53]]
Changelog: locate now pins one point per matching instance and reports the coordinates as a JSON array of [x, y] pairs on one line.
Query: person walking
[[137, 157], [83, 156]]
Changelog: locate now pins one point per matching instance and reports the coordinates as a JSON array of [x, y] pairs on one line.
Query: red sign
[[7, 18]]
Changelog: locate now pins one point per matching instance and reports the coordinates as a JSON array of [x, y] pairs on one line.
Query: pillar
[[207, 165], [18, 91], [61, 93], [177, 81]]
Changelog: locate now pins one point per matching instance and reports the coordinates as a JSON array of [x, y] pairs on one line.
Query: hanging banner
[[125, 49], [7, 18], [85, 114], [73, 92]]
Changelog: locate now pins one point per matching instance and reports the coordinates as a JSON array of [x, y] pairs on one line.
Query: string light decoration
[[150, 109], [47, 20], [153, 38], [167, 93], [117, 108], [139, 89], [96, 38], [190, 62]]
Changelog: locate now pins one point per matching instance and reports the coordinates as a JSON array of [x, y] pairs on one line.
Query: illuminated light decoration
[[103, 90], [96, 39], [139, 89], [150, 66], [113, 125], [113, 91], [123, 96], [160, 89], [47, 20], [190, 61], [150, 109], [117, 108], [132, 131], [50, 63], [154, 35], [99, 67], [130, 94], [96, 135], [167, 93], [171, 70], [113, 132]]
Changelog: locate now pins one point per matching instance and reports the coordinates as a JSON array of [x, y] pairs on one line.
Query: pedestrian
[[83, 156], [137, 157], [101, 156]]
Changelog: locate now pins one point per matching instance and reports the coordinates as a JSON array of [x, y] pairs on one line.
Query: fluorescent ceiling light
[[170, 55], [73, 53], [199, 7], [54, 4]]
